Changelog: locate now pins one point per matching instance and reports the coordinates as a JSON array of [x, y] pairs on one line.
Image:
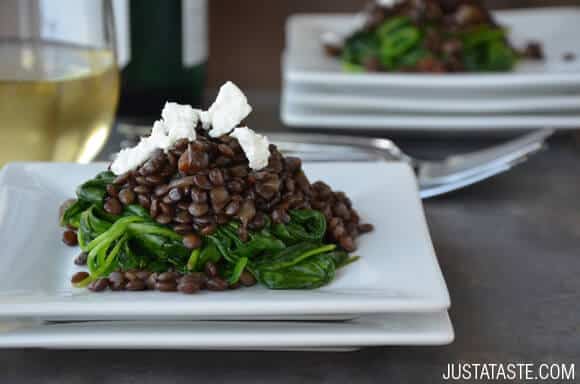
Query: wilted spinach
[[281, 256], [305, 225], [486, 49], [90, 192], [400, 43], [359, 47], [94, 190], [309, 274]]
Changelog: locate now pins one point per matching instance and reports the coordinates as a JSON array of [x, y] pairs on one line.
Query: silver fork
[[434, 177]]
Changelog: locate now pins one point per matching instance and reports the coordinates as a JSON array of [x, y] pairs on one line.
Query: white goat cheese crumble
[[228, 110], [255, 146], [179, 121], [130, 158]]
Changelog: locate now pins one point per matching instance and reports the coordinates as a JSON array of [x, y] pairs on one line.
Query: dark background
[[246, 37]]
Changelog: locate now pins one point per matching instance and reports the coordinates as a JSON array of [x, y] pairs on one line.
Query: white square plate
[[307, 96], [397, 272], [373, 330], [305, 116], [556, 28]]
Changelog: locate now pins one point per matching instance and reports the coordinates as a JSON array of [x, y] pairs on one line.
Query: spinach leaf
[[412, 58], [129, 258], [91, 225], [208, 253], [90, 192], [350, 67], [482, 35], [341, 258], [301, 266], [258, 244], [338, 257], [223, 246], [193, 259], [102, 258], [135, 242], [141, 227], [136, 210], [360, 47], [72, 215], [232, 248], [397, 44], [160, 247], [131, 242], [94, 190], [391, 25], [291, 255], [304, 225], [309, 273], [500, 56], [486, 49], [348, 261], [238, 269]]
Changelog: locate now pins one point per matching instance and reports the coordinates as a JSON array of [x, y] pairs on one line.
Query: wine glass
[[59, 80]]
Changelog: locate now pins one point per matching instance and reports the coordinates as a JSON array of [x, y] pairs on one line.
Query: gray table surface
[[509, 251]]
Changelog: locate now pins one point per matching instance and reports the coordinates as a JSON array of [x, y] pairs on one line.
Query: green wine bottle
[[168, 56]]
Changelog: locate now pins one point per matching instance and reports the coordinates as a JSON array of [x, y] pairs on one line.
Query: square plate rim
[[60, 307], [450, 106], [296, 116], [433, 328]]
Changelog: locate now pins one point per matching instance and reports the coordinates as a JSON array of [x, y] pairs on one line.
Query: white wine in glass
[[57, 98]]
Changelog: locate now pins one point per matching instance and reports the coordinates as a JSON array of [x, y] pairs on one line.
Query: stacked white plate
[[317, 93], [394, 295]]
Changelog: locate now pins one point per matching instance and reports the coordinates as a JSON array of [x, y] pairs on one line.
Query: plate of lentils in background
[[205, 218]]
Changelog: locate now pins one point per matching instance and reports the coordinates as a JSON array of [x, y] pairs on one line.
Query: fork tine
[[509, 146], [443, 174], [432, 190], [460, 166]]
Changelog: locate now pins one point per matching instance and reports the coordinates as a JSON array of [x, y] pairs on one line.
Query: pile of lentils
[[196, 186]]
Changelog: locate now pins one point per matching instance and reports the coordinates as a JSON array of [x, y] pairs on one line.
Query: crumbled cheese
[[130, 158], [205, 118], [159, 137], [228, 110], [255, 146], [178, 122]]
